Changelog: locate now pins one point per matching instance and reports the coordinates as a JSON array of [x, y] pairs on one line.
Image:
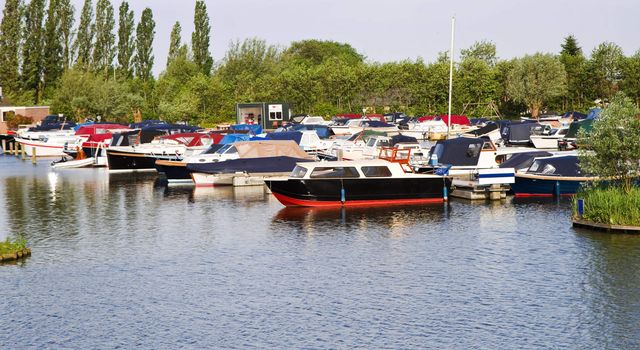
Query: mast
[[453, 23]]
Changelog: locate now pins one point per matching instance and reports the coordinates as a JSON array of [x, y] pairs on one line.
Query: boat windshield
[[227, 149], [298, 172], [334, 172]]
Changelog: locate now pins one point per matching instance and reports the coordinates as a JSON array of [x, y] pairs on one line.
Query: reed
[[609, 205], [10, 247]]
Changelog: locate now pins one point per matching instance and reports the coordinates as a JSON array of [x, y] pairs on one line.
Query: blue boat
[[553, 176]]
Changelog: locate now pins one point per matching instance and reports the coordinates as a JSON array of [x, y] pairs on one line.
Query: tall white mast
[[453, 24]]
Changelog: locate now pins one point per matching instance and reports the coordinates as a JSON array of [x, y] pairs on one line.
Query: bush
[[609, 205], [13, 120], [8, 247]]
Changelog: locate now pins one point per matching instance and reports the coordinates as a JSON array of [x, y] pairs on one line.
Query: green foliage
[[315, 52], [33, 49], [66, 13], [145, 33], [570, 47], [86, 94], [84, 37], [104, 48], [175, 43], [612, 147], [481, 50], [15, 120], [575, 64], [535, 80], [609, 205], [10, 39], [475, 82], [606, 69], [126, 39], [200, 38], [630, 82], [53, 45], [9, 247]]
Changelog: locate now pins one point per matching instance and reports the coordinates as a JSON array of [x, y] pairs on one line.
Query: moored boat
[[357, 183], [554, 176]]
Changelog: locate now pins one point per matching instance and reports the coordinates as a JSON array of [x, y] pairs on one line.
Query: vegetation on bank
[[610, 205], [611, 150], [11, 247], [95, 69]]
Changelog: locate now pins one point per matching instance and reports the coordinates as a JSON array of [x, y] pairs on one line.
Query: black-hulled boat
[[357, 183]]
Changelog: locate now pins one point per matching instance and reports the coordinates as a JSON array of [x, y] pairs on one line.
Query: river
[[122, 261]]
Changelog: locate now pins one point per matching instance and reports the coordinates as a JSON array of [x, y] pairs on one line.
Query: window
[[227, 149], [298, 172], [473, 150], [549, 169], [376, 171], [322, 172], [488, 146]]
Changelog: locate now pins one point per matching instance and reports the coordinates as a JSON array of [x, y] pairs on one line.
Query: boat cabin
[[374, 168]]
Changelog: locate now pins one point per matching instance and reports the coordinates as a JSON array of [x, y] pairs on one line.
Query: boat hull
[[174, 171], [120, 160], [42, 149], [359, 192], [545, 186]]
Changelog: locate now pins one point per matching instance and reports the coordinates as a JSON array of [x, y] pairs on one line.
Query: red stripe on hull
[[34, 145], [540, 195], [294, 202]]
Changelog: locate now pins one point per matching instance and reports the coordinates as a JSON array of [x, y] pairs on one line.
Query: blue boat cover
[[376, 124], [285, 135], [523, 160], [461, 151], [253, 128], [323, 131], [146, 123], [402, 138], [575, 115], [249, 165], [594, 113], [231, 138], [556, 166]]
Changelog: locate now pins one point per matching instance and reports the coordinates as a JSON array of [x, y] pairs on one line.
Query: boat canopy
[[578, 125], [269, 148], [517, 132], [323, 131], [556, 166], [295, 136], [489, 127], [376, 124], [145, 123], [455, 119], [395, 139], [253, 128], [461, 151], [99, 128], [523, 160], [231, 138]]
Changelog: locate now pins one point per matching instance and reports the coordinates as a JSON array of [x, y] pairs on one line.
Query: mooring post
[[24, 153], [580, 207], [33, 155], [4, 146]]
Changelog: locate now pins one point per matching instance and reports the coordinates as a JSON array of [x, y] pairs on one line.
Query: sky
[[392, 30]]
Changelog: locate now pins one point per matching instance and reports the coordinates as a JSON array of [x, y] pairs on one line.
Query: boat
[[554, 176], [353, 126], [66, 163], [254, 159], [138, 150], [92, 138], [545, 136], [357, 183]]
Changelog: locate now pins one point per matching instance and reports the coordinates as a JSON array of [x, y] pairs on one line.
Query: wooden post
[[33, 155], [24, 153], [4, 146], [11, 147]]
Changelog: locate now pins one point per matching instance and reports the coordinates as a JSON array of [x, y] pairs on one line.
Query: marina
[[230, 265]]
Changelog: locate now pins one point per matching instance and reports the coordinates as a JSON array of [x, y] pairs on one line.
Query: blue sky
[[386, 30]]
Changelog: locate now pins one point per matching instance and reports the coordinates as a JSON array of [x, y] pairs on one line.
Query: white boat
[[353, 126], [76, 163], [45, 143], [547, 137]]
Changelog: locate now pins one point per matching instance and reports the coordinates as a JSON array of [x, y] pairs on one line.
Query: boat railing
[[397, 155]]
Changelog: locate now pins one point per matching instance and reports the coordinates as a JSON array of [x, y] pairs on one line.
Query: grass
[[10, 247], [609, 205]]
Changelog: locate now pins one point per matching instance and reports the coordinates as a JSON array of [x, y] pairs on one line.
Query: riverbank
[[13, 250], [608, 206]]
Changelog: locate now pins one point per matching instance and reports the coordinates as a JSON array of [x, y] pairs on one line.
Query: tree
[[200, 38], [535, 80], [575, 65], [126, 39], [33, 49], [66, 13], [606, 68], [103, 51], [482, 50], [475, 83], [315, 52], [613, 144], [630, 82], [145, 33], [52, 45], [84, 39], [10, 40], [175, 43]]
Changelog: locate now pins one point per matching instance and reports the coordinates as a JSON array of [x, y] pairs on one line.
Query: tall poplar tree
[[33, 49], [174, 43], [52, 45], [84, 38], [145, 31], [200, 38], [126, 42], [10, 39], [104, 49], [66, 12]]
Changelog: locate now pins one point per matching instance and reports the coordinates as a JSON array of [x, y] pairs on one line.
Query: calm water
[[122, 261]]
